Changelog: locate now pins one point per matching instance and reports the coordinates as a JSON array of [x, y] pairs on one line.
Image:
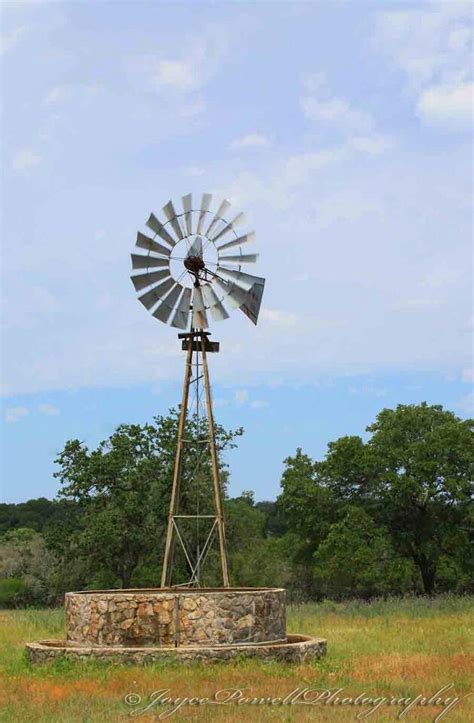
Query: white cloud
[[49, 410], [11, 38], [199, 60], [419, 302], [447, 105], [179, 74], [280, 318], [195, 171], [82, 92], [318, 105], [364, 390], [219, 403], [459, 38], [277, 186], [432, 47], [466, 404], [14, 414], [193, 108], [298, 168], [241, 396], [25, 160], [336, 112], [468, 375], [250, 140], [374, 144], [259, 404], [426, 43]]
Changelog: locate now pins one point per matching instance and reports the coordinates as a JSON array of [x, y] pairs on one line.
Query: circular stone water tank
[[175, 617]]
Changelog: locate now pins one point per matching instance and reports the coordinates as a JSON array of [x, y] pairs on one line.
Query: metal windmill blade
[[172, 217], [238, 259], [213, 303], [245, 239], [233, 296], [205, 204], [180, 318], [160, 230], [146, 262], [218, 217], [199, 310], [145, 242], [196, 247], [243, 281], [156, 293], [192, 267], [188, 216], [165, 307], [240, 218], [141, 281]]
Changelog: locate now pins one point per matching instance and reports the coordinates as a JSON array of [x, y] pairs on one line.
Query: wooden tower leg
[[215, 468], [166, 572]]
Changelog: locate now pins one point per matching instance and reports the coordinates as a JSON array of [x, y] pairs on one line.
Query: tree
[[423, 464], [307, 509], [123, 489], [357, 559], [26, 566], [33, 514], [254, 558], [412, 477], [275, 525]]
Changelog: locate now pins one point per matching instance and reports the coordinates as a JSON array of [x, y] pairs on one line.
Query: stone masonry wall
[[184, 617]]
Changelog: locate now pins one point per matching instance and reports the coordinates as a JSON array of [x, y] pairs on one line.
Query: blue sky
[[342, 129]]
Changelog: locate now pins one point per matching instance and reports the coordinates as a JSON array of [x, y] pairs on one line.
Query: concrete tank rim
[[175, 591], [291, 639]]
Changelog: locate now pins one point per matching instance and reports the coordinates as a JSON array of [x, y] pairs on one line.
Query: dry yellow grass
[[399, 648]]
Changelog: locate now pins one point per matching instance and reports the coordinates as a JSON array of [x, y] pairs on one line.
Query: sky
[[343, 130]]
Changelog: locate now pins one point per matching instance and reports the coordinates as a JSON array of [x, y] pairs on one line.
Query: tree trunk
[[126, 577], [428, 573]]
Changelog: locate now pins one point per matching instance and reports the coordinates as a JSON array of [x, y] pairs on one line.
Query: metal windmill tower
[[192, 266]]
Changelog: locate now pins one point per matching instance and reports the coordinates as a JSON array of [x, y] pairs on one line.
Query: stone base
[[296, 649], [163, 617]]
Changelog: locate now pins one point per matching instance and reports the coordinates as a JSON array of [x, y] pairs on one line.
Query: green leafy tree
[[26, 568], [357, 559], [33, 514], [422, 464], [254, 558], [123, 489], [413, 477], [307, 508]]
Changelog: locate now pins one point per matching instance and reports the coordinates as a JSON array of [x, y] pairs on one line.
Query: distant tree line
[[388, 516]]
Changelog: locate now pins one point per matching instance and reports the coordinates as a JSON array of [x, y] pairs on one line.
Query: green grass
[[395, 647]]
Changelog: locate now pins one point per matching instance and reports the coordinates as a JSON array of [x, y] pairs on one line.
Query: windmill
[[192, 267]]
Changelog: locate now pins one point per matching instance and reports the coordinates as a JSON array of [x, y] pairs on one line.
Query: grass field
[[393, 648]]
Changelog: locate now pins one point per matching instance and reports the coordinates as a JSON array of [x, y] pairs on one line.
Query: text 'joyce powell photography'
[[164, 703]]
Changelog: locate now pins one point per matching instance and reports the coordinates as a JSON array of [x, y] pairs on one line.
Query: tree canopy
[[389, 514]]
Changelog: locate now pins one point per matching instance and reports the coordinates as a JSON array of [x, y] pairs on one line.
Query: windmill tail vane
[[192, 266]]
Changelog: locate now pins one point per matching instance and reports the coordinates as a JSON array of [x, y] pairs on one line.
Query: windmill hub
[[194, 264]]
